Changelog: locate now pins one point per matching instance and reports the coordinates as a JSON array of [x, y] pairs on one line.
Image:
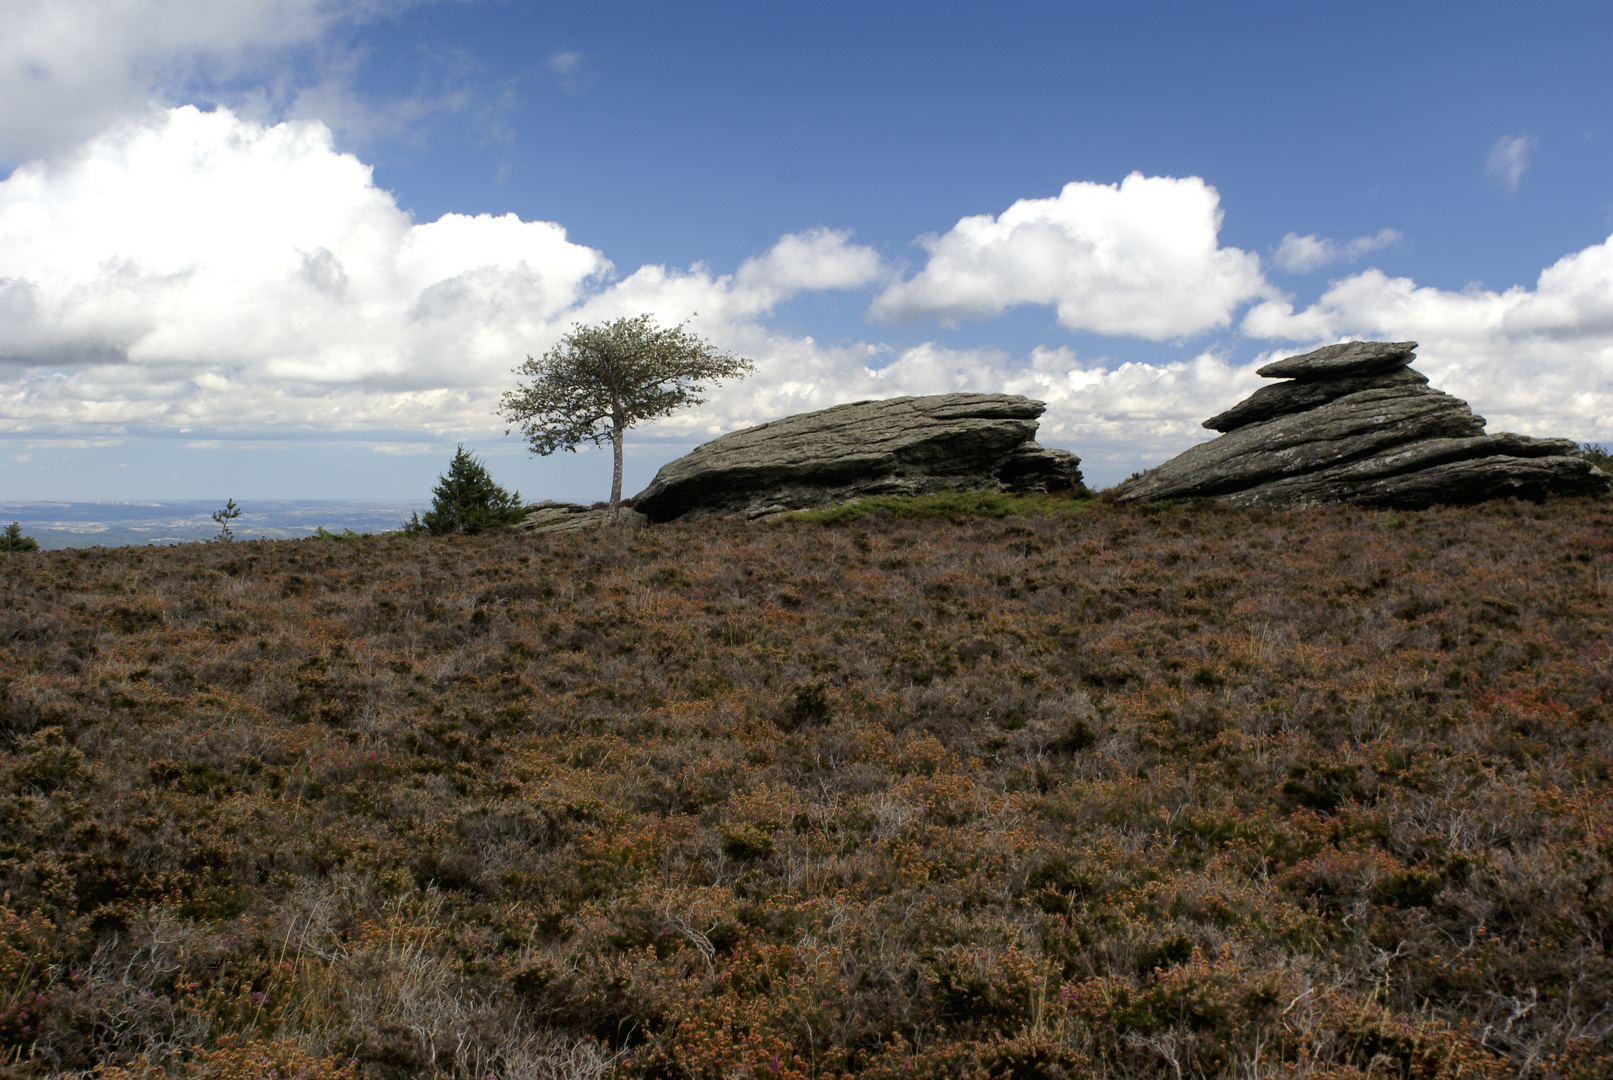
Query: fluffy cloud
[[1138, 258], [1537, 361], [69, 68], [1303, 254], [203, 273], [198, 270]]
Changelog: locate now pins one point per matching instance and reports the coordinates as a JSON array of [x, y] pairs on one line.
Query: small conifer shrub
[[466, 501], [223, 517], [13, 540]]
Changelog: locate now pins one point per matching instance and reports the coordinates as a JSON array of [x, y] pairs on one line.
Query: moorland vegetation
[[962, 787]]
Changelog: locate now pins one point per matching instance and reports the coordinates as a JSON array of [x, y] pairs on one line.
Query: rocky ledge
[[899, 446], [1353, 423], [551, 516]]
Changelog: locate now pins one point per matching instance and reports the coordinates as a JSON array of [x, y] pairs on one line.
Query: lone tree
[[224, 517], [466, 501], [601, 380]]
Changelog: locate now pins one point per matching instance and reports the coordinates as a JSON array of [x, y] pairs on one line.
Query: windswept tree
[[601, 380]]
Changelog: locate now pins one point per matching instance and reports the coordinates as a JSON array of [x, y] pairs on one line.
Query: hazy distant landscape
[[86, 524]]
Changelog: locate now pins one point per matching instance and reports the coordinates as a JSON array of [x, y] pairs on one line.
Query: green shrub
[[1598, 455], [13, 540], [466, 501]]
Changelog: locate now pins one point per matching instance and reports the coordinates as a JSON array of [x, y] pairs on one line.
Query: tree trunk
[[616, 473]]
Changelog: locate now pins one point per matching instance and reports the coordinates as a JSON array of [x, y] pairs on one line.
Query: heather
[[1033, 789]]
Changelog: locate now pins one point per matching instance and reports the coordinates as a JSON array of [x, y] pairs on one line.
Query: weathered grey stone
[[898, 446], [1477, 479], [1358, 426], [1034, 467], [1449, 471], [550, 516], [1352, 358], [1294, 396], [1346, 429]]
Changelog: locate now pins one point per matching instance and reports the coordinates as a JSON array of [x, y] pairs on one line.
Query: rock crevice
[[1353, 423]]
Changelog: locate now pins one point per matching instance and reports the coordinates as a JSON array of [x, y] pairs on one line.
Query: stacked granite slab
[[1353, 423], [898, 446]]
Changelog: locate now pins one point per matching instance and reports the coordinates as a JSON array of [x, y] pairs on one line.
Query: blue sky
[[286, 289]]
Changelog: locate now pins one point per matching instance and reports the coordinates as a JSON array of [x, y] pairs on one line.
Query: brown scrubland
[[1084, 790]]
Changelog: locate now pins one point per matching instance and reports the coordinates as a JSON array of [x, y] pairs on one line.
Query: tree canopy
[[601, 380]]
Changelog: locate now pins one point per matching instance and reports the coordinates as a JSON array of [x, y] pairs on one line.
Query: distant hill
[[79, 524]]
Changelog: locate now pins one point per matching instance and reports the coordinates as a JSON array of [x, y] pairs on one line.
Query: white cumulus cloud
[[202, 273], [1138, 258], [193, 272], [1537, 361], [1303, 254], [816, 259], [199, 270]]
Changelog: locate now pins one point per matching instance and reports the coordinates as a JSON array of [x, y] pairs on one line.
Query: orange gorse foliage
[[1163, 792]]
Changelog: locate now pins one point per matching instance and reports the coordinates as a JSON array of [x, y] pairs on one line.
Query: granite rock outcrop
[[897, 446], [551, 516], [1353, 423]]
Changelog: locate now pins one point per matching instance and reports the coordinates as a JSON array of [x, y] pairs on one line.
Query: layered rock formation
[[899, 446], [550, 516], [1353, 423]]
